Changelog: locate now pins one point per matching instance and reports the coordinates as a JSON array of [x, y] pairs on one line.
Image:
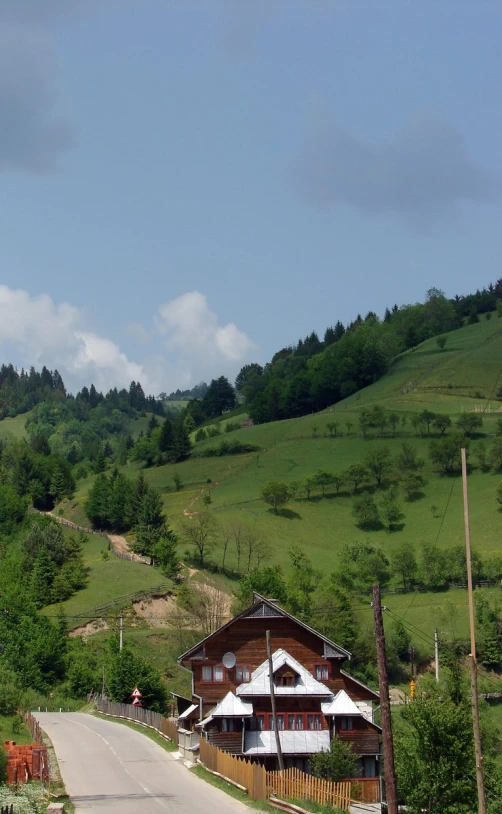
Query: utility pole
[[474, 672], [121, 634], [383, 685], [272, 699], [436, 652]]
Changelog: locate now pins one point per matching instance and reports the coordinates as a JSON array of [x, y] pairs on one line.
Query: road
[[109, 768]]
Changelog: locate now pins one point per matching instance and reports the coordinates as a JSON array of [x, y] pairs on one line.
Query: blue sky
[[188, 186]]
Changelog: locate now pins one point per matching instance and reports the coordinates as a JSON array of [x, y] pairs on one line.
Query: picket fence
[[293, 784], [259, 784], [154, 720], [250, 776]]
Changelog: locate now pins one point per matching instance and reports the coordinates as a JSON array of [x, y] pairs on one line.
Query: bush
[[228, 448], [4, 759]]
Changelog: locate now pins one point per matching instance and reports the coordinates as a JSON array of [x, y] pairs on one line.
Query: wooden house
[[315, 698]]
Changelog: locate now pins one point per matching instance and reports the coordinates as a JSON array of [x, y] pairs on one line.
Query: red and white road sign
[[136, 693], [136, 702]]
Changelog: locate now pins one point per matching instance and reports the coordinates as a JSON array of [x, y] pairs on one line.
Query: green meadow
[[462, 377]]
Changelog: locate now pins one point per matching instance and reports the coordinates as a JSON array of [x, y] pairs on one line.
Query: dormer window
[[285, 681], [285, 676]]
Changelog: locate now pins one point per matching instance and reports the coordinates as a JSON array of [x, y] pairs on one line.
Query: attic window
[[286, 680], [285, 676]]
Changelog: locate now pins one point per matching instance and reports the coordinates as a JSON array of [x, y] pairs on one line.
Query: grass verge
[[219, 783]]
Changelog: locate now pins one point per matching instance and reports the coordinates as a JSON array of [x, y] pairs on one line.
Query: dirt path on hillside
[[118, 544]]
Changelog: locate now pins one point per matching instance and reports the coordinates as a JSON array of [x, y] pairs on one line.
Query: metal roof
[[306, 742], [375, 694], [341, 704], [231, 706], [188, 711], [305, 684], [271, 609]]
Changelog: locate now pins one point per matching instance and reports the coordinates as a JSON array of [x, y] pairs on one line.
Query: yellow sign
[[412, 689]]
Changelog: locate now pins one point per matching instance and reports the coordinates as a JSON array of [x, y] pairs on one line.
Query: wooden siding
[[363, 743], [246, 638], [226, 741]]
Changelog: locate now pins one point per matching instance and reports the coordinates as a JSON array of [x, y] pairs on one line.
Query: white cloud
[[37, 331], [190, 326]]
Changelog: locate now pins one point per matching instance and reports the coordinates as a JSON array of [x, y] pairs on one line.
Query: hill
[[356, 527], [460, 379]]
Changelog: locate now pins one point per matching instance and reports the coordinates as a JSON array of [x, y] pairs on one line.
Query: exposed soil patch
[[156, 610], [96, 626], [397, 696]]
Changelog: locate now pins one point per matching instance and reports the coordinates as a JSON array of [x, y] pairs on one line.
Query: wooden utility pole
[[474, 671], [272, 700], [436, 653], [383, 685]]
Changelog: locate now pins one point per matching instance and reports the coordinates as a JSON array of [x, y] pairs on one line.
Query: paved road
[[109, 768]]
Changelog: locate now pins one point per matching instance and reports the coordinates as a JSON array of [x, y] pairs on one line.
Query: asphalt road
[[109, 768]]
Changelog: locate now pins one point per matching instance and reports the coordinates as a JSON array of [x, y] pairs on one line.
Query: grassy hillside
[[14, 427], [109, 578], [462, 377], [294, 449]]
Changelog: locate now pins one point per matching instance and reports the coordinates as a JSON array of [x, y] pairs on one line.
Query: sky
[[190, 185]]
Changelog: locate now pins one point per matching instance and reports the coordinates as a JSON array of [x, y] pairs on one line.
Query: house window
[[293, 721], [229, 725], [242, 673], [212, 674], [314, 722], [369, 767], [285, 681], [346, 724], [321, 672]]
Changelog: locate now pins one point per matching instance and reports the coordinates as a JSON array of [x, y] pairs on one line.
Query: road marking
[[110, 747]]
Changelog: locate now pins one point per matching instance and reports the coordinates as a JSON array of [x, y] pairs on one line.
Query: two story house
[[315, 698]]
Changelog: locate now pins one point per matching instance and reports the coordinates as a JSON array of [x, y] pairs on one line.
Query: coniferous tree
[[42, 579], [166, 437], [97, 505]]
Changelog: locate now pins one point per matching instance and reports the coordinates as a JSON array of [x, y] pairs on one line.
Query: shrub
[[228, 448]]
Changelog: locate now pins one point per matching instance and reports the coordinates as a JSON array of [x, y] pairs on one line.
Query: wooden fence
[[34, 727], [294, 784], [259, 784], [7, 809], [154, 720], [366, 789], [131, 557], [250, 776]]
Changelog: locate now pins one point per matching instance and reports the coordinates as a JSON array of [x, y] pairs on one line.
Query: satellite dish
[[229, 660]]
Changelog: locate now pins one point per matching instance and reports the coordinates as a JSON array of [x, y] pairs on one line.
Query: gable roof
[[232, 706], [260, 608], [341, 704], [260, 682], [374, 693]]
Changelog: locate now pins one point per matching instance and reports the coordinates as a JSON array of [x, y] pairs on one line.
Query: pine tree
[[58, 485], [182, 443], [41, 579], [166, 438], [97, 505]]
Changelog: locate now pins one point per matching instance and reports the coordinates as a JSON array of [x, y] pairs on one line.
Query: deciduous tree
[[276, 495]]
